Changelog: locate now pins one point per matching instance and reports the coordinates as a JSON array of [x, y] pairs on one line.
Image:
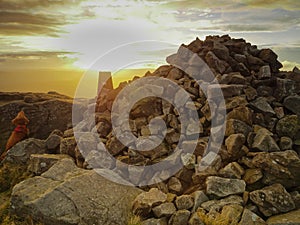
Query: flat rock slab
[[68, 195]]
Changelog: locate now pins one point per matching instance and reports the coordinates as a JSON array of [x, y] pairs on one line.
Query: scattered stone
[[279, 167], [217, 205], [67, 146], [237, 127], [152, 221], [53, 142], [199, 197], [234, 144], [174, 185], [261, 105], [288, 126], [184, 202], [232, 213], [263, 141], [250, 218], [222, 187], [272, 200], [232, 170], [286, 143], [195, 220], [40, 163], [180, 217], [143, 203], [252, 176], [293, 103], [21, 152], [164, 210], [290, 218]]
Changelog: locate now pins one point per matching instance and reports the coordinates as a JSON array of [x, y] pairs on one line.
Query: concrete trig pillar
[[105, 81]]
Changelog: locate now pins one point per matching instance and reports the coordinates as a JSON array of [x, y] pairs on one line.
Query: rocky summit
[[241, 167]]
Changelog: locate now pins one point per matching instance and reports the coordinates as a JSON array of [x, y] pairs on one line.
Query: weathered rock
[[188, 160], [114, 146], [141, 109], [184, 202], [290, 218], [232, 170], [261, 105], [237, 127], [80, 197], [279, 167], [250, 218], [250, 93], [232, 213], [174, 185], [263, 141], [213, 91], [199, 197], [252, 175], [195, 220], [180, 217], [270, 57], [234, 144], [214, 62], [241, 113], [21, 152], [67, 146], [293, 103], [222, 187], [164, 210], [217, 205], [40, 163], [152, 221], [53, 142], [233, 78], [288, 126], [284, 88], [286, 143], [273, 200], [143, 203]]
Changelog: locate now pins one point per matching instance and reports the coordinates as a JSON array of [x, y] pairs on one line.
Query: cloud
[[39, 17], [289, 66], [19, 23], [35, 4], [36, 60]]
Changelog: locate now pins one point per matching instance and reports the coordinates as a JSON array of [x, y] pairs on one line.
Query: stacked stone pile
[[256, 175]]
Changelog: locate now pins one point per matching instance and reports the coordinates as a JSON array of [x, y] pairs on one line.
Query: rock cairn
[[253, 178]]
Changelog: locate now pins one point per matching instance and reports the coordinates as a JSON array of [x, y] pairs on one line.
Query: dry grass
[[134, 220], [10, 175], [216, 219]]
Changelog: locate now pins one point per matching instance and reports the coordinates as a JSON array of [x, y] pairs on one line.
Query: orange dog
[[19, 133]]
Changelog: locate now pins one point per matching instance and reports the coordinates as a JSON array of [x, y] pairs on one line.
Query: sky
[[49, 44]]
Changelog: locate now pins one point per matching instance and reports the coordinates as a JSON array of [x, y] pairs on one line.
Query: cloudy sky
[[46, 44]]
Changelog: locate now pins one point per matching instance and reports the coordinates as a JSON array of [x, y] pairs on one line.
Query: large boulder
[[69, 195], [21, 152], [272, 200]]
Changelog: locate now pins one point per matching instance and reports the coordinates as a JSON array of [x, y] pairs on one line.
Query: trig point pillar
[[105, 81]]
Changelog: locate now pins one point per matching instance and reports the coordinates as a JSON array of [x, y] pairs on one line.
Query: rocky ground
[[253, 179]]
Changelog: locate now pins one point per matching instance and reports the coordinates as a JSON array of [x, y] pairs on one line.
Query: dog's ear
[[20, 119]]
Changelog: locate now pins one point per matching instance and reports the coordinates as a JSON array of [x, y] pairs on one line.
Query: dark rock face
[[46, 113]]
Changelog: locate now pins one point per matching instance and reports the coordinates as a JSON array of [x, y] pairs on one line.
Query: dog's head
[[20, 119]]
